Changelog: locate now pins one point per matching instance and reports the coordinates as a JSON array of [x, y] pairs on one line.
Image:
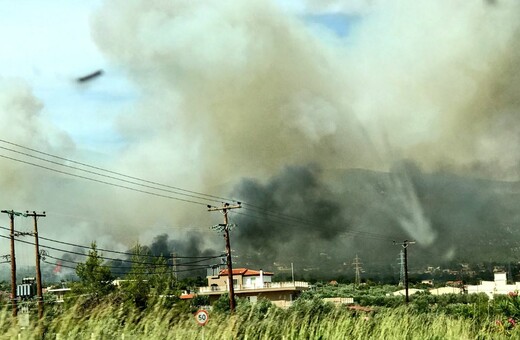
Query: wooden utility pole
[[225, 229], [405, 245], [12, 214], [38, 259]]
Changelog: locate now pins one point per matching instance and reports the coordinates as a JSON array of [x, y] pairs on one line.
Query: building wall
[[445, 290], [279, 298], [223, 280], [241, 281], [255, 281], [498, 286]]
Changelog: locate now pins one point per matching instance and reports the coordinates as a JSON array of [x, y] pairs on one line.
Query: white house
[[497, 286], [446, 290], [402, 292], [253, 284], [59, 293], [243, 278]]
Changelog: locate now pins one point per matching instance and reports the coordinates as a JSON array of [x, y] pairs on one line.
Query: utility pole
[[38, 259], [12, 214], [401, 267], [357, 265], [292, 274], [405, 245], [225, 228], [174, 265]]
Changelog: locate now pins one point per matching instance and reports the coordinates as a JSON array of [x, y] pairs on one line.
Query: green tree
[[136, 288], [161, 277], [95, 278], [222, 304]]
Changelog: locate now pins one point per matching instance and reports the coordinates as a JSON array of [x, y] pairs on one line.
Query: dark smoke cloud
[[471, 219], [233, 89], [293, 211], [193, 245]]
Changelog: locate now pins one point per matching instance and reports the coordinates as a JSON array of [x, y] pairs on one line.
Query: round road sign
[[202, 317]]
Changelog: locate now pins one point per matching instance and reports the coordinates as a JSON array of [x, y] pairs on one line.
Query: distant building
[[402, 292], [498, 286], [253, 284], [340, 300], [446, 290], [59, 293], [243, 278]]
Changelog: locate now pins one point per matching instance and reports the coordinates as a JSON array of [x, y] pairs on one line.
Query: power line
[[175, 198], [116, 225], [295, 222], [292, 220], [106, 176], [405, 244], [107, 170], [207, 258], [358, 267], [127, 269], [115, 251], [128, 261], [119, 273], [103, 182]]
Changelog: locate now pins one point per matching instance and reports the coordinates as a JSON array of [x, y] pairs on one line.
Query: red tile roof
[[244, 272], [187, 296]]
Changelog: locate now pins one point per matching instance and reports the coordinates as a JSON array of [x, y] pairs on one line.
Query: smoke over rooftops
[[231, 90]]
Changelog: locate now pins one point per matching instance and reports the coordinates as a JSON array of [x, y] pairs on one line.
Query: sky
[[50, 51], [49, 46], [46, 47], [238, 97]]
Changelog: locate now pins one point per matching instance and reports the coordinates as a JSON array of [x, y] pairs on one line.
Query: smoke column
[[248, 99]]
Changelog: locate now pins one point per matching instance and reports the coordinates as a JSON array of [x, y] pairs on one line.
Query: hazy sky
[[46, 46], [200, 95], [49, 45]]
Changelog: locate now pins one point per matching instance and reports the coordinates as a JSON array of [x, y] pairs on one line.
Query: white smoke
[[237, 89], [234, 89]]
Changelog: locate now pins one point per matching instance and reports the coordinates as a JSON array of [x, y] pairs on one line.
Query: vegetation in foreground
[[306, 319], [146, 305]]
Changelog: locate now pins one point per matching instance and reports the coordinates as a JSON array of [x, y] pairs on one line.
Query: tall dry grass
[[260, 321]]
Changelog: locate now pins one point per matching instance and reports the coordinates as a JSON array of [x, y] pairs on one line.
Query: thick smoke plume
[[239, 89], [305, 213], [231, 90], [252, 83]]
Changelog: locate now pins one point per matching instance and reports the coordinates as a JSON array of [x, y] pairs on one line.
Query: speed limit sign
[[201, 317]]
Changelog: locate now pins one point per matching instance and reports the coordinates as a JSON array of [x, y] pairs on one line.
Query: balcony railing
[[266, 285]]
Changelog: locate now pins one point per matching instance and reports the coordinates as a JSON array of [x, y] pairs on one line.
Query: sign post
[[202, 317]]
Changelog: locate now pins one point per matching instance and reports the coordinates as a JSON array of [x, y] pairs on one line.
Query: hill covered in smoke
[[240, 97], [468, 219], [320, 221]]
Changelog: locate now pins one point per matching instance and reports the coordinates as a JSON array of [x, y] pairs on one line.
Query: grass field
[[307, 320]]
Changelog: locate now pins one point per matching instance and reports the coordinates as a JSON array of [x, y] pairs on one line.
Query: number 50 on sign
[[201, 317]]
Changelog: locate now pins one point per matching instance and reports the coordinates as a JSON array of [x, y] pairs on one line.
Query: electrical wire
[[289, 220], [43, 246], [114, 251], [127, 269], [107, 176], [103, 182], [108, 171], [123, 272], [296, 223]]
